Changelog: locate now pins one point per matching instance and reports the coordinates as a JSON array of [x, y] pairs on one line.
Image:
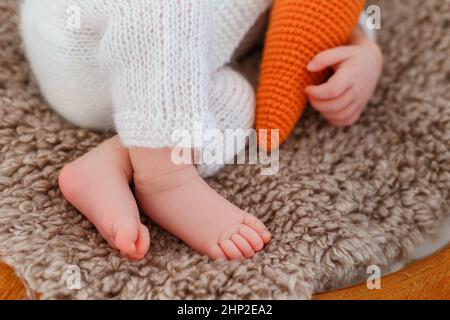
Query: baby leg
[[66, 66], [97, 184], [179, 200]]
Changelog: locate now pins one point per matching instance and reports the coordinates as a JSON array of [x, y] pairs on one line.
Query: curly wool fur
[[343, 199]]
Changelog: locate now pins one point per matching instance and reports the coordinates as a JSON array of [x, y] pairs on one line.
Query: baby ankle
[[153, 183]]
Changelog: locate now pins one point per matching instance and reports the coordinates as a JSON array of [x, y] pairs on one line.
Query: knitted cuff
[[156, 132]]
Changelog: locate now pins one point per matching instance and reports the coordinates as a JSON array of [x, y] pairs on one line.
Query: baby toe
[[215, 252], [125, 238], [142, 243], [256, 224], [251, 236], [231, 250], [243, 245]]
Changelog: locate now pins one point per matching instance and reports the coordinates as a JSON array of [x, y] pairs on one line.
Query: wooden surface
[[426, 279], [11, 288]]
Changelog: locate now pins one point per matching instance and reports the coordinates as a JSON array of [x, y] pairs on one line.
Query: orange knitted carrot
[[298, 31]]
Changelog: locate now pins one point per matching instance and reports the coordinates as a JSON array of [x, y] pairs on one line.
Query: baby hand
[[343, 98]]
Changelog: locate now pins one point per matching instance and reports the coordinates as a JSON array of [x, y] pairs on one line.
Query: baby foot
[[97, 184], [177, 199]]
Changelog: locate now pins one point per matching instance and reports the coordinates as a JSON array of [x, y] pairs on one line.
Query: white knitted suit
[[151, 61], [142, 67]]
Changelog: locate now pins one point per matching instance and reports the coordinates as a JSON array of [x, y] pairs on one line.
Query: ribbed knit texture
[[298, 31], [157, 54], [144, 67]]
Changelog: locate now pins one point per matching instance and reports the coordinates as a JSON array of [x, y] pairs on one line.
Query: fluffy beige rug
[[343, 200]]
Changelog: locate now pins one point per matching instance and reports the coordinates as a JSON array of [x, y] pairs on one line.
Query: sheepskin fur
[[343, 199]]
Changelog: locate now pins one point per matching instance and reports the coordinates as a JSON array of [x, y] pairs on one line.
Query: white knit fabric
[[142, 67], [232, 106], [144, 64]]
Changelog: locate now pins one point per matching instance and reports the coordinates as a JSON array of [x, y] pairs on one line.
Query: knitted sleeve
[[232, 20], [156, 52]]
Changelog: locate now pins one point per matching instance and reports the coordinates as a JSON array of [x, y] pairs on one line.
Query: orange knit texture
[[298, 31]]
